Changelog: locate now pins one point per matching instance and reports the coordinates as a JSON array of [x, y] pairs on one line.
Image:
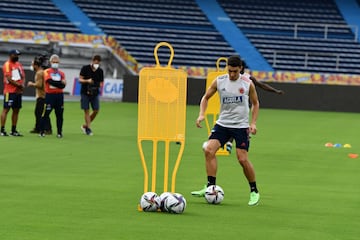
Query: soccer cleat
[[83, 128], [16, 134], [4, 134], [200, 193], [88, 131], [228, 147], [59, 135], [42, 134], [254, 199]]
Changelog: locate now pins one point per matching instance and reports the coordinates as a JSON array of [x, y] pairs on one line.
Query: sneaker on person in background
[[228, 146], [88, 131], [16, 134], [4, 134], [83, 128]]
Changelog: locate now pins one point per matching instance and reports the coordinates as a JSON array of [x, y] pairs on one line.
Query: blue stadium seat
[[140, 24], [39, 15], [270, 26]]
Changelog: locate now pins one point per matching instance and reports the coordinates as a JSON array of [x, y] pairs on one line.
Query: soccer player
[[55, 82], [235, 90], [37, 65], [91, 79], [14, 80], [261, 85]]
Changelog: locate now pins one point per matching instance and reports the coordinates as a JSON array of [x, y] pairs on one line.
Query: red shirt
[[15, 71], [56, 75]]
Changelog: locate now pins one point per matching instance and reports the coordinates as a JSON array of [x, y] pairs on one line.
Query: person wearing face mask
[[14, 80], [54, 80], [37, 66], [91, 79]]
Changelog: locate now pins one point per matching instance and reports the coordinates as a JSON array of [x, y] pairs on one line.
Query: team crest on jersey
[[242, 90]]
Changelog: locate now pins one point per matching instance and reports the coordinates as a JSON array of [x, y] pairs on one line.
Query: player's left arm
[[18, 84], [265, 86], [59, 84], [14, 83], [255, 108]]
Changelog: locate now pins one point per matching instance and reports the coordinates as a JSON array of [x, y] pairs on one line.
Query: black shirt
[[97, 76]]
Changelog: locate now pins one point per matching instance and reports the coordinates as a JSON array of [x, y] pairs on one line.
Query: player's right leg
[[85, 105], [48, 107], [3, 121], [217, 139], [211, 165], [6, 108]]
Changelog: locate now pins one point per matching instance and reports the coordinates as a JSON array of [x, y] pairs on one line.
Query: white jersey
[[234, 101]]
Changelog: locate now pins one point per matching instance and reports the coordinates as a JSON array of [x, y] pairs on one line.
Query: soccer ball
[[149, 202], [175, 203], [214, 194], [163, 197]]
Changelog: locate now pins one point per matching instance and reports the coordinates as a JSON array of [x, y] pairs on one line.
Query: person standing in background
[[37, 66], [54, 80], [91, 79], [14, 80]]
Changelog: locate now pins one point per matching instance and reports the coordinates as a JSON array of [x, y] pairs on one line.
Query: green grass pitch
[[82, 187]]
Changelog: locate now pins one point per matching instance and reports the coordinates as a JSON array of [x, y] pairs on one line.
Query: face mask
[[15, 59], [96, 66], [31, 67], [55, 65]]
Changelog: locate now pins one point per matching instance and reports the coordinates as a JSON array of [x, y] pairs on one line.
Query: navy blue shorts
[[54, 100], [12, 100], [223, 134], [86, 101]]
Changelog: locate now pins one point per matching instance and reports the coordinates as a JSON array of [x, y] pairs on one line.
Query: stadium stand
[[308, 35], [36, 15], [140, 24]]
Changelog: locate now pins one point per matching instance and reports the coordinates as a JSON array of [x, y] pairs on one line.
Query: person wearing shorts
[[235, 90], [91, 79], [14, 80]]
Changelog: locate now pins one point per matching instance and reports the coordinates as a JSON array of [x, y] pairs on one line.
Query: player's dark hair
[[37, 61], [97, 58], [42, 61], [234, 61]]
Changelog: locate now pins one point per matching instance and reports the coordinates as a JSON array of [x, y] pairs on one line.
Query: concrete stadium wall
[[337, 98], [297, 96]]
